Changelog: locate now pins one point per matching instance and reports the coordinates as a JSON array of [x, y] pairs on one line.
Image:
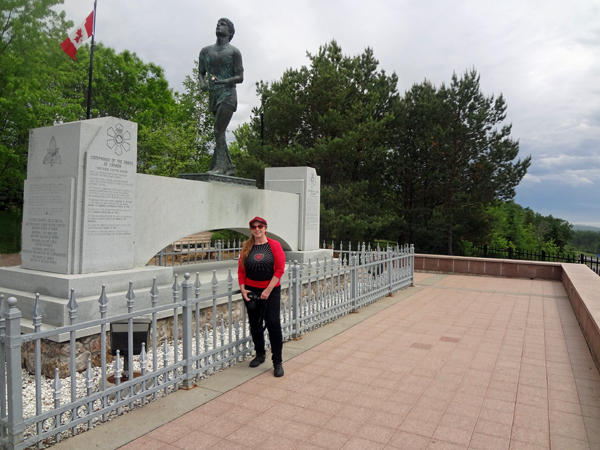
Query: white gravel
[[47, 390]]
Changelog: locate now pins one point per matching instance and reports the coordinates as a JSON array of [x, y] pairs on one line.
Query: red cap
[[258, 219]]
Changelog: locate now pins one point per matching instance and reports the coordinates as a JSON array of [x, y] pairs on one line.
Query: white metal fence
[[312, 295]]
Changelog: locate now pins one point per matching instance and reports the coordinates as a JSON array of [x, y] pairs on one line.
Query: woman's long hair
[[246, 247]]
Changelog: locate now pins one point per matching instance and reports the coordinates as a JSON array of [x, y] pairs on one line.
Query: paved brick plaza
[[460, 363]]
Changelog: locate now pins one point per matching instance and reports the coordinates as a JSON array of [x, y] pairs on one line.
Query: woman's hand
[[265, 294], [244, 292]]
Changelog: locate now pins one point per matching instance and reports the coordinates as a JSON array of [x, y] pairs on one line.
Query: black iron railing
[[486, 251]]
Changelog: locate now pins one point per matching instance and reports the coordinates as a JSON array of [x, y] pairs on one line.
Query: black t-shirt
[[260, 263]]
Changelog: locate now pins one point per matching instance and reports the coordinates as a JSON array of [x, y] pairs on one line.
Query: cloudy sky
[[543, 56]]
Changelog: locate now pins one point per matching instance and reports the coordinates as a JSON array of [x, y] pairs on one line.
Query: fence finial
[[72, 305], [197, 284], [143, 358], [175, 289], [103, 300], [154, 289], [37, 309]]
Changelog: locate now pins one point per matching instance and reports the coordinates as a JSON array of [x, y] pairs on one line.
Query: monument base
[[214, 178], [55, 290]]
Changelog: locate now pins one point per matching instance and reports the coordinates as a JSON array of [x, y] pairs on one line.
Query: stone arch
[[167, 209]]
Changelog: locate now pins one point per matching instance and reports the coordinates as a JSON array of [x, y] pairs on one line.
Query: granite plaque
[[46, 232], [108, 218]]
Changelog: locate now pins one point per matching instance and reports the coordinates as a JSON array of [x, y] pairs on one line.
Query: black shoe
[[257, 361], [278, 372]]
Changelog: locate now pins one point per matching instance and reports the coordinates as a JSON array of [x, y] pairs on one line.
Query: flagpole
[[89, 99]]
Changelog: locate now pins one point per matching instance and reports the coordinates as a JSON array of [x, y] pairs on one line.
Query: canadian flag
[[80, 34]]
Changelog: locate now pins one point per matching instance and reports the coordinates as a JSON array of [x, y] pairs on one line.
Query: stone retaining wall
[[488, 266], [583, 288]]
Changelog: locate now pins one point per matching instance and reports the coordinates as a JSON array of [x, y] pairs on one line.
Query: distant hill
[[585, 228]]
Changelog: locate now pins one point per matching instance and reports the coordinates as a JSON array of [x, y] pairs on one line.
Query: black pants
[[272, 320]]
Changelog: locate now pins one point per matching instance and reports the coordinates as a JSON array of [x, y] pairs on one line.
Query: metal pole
[[89, 99]]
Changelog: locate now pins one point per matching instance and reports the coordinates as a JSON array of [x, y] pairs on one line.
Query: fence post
[[582, 259], [186, 297], [353, 281], [389, 268], [485, 250], [412, 265], [15, 425], [296, 295], [543, 255]]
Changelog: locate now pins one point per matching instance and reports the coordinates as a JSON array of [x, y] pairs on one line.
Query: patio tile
[[453, 435], [196, 440], [567, 443], [568, 425], [248, 436], [297, 431], [375, 433], [355, 443], [530, 436], [275, 442], [145, 443], [487, 442], [412, 426], [328, 439], [220, 427], [493, 428]]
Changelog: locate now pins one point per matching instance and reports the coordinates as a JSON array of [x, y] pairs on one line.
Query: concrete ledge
[[488, 266], [583, 288]]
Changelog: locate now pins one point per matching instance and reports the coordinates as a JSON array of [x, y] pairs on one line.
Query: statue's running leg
[[221, 161]]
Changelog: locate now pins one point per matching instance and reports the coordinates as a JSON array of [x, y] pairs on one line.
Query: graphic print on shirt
[[260, 263]]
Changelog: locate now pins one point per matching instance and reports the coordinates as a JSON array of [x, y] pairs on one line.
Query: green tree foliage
[[522, 229], [334, 115], [418, 169], [175, 130], [453, 155], [30, 94], [586, 241]]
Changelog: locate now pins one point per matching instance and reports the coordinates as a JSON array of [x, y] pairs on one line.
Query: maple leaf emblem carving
[[78, 36]]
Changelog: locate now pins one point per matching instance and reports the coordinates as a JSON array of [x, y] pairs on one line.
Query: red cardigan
[[279, 267]]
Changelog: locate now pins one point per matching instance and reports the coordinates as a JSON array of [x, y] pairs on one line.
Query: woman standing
[[260, 268]]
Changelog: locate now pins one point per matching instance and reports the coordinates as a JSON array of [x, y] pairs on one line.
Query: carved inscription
[[110, 197], [108, 223], [46, 224], [312, 210]]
